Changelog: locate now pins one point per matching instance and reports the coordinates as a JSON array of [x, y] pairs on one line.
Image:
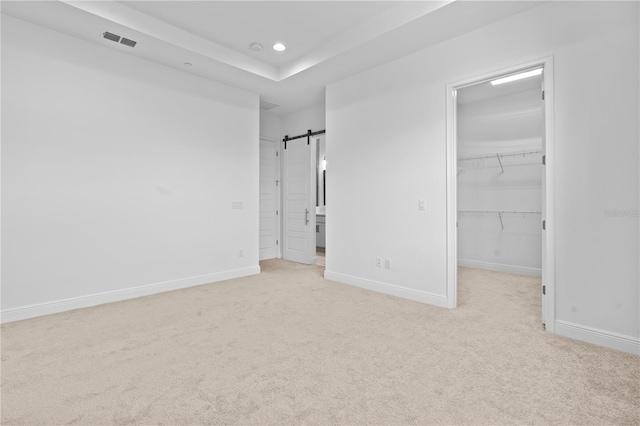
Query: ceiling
[[326, 40], [305, 25]]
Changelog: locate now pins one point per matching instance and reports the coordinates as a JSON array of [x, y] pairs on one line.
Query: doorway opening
[[301, 179], [499, 194], [321, 198]]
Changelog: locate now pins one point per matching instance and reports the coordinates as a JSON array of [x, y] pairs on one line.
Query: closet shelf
[[499, 156], [502, 154], [501, 213]]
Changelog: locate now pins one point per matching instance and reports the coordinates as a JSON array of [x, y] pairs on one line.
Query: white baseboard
[[394, 290], [32, 311], [598, 337], [520, 270]]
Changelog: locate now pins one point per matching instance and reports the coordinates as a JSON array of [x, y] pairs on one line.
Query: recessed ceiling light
[[187, 64], [515, 77], [279, 47], [256, 47]]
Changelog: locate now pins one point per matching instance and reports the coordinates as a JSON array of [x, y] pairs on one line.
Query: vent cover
[[118, 39], [128, 42], [111, 36]]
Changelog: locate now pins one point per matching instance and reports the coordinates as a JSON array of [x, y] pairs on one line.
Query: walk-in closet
[[500, 128]]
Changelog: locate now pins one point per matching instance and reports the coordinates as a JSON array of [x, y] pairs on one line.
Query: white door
[[299, 207], [268, 199]]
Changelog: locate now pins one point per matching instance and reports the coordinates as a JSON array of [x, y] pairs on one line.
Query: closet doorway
[[498, 195]]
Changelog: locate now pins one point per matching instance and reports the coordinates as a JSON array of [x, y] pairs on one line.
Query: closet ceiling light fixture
[[279, 47], [515, 77]]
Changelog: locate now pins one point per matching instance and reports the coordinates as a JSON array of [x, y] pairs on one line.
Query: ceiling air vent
[[111, 36], [128, 42], [118, 39]]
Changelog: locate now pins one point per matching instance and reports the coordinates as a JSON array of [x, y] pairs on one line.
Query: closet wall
[[500, 177]]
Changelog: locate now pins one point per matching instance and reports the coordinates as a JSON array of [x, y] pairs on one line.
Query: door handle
[[306, 216]]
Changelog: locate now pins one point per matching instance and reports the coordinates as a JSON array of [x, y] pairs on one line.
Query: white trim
[[608, 339], [279, 202], [279, 165], [520, 270], [549, 270], [47, 308], [452, 198], [391, 289], [452, 182]]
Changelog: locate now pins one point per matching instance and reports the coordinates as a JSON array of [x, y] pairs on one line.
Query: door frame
[[548, 252]]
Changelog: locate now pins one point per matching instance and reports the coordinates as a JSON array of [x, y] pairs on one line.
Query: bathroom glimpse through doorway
[[321, 196]]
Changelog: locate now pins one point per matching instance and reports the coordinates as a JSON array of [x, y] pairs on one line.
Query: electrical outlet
[[422, 204], [240, 253], [379, 262], [387, 263], [237, 205]]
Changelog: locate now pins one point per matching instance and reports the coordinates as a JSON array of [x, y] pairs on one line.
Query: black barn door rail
[[306, 135]]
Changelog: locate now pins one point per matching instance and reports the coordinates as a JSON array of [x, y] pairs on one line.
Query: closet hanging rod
[[306, 135], [500, 155], [498, 212]]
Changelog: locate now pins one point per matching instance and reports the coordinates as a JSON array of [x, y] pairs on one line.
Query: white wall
[[299, 122], [118, 173], [387, 147], [269, 126], [503, 124]]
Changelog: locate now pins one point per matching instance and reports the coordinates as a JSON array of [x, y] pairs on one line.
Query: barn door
[[299, 207]]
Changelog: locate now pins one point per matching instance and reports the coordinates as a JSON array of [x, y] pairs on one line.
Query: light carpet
[[288, 347]]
